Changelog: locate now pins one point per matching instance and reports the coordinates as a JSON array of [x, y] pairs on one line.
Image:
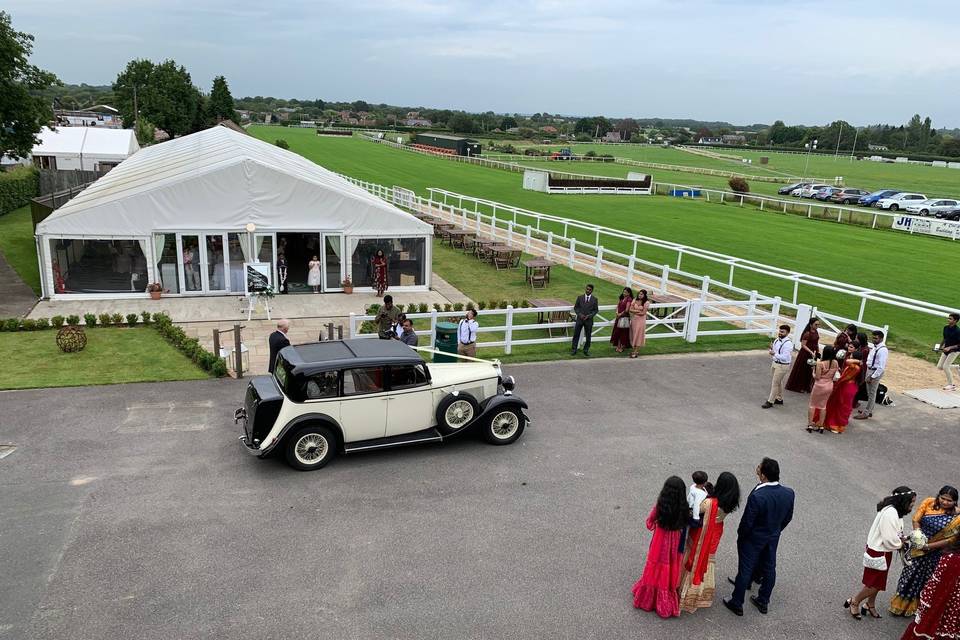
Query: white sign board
[[536, 181], [928, 226], [258, 277]]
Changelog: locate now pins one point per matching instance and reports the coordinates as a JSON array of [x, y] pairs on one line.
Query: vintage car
[[345, 396]]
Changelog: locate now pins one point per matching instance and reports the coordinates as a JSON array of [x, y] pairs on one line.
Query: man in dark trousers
[[584, 309], [768, 512], [278, 340]]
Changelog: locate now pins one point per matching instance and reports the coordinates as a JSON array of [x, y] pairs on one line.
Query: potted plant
[[155, 289], [347, 285]]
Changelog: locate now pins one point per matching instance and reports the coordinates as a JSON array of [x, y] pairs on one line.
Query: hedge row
[[17, 186], [190, 347]]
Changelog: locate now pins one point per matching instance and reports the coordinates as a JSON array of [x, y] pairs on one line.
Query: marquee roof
[[219, 179], [93, 142]]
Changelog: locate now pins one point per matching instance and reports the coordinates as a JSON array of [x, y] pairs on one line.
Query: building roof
[[233, 126], [220, 179], [99, 142], [446, 137]]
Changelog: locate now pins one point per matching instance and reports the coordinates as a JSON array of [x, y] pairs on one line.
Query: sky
[[740, 61]]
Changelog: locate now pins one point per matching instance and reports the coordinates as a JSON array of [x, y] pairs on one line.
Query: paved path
[[16, 298], [130, 511]]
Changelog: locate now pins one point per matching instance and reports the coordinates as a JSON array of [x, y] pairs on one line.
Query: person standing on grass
[[949, 349], [467, 330], [876, 364], [278, 340], [639, 309], [620, 336], [782, 353], [584, 309]]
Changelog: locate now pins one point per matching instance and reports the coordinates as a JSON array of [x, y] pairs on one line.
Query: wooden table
[[481, 244], [443, 230], [457, 236], [666, 298], [552, 316], [537, 263]]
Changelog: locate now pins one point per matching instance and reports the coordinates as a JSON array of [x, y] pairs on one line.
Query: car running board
[[417, 437]]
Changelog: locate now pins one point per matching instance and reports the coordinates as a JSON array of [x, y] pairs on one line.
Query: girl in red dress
[[656, 590], [380, 272]]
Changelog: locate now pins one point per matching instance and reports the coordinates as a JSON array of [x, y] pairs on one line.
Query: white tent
[[184, 201], [87, 148]]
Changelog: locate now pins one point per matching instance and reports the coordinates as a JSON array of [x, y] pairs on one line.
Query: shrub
[[73, 319], [458, 306], [43, 323], [282, 143], [117, 318], [493, 304], [56, 321], [372, 309], [219, 368], [424, 307], [90, 319], [447, 307], [437, 307], [105, 319], [146, 317], [516, 303], [11, 324], [503, 304], [17, 186], [132, 319], [3, 324], [471, 306], [28, 324], [481, 305], [400, 308], [739, 185], [526, 303], [591, 154]]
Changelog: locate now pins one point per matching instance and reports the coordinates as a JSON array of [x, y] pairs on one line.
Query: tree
[[220, 106], [508, 123], [359, 105], [165, 96], [22, 112], [462, 123], [145, 132]]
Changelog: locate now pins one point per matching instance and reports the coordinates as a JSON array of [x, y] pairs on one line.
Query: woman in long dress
[[638, 321], [844, 394], [939, 520], [620, 336], [698, 577], [823, 375], [938, 615], [380, 272], [314, 278], [656, 590], [801, 376]]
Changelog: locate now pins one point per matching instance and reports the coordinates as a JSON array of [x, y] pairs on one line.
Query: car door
[[363, 403], [410, 407]]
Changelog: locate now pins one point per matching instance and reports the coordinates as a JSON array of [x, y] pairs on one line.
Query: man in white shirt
[[781, 351], [876, 365], [467, 334]]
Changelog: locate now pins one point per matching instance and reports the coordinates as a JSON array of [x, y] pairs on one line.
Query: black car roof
[[314, 357]]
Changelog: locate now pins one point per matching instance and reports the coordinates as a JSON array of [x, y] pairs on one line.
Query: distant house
[[413, 114], [877, 147], [244, 114], [83, 148], [612, 136], [233, 126], [367, 122], [344, 115], [549, 129], [416, 122], [513, 130], [733, 139], [710, 140]]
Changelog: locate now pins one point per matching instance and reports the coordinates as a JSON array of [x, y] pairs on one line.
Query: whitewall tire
[[455, 412], [310, 447], [504, 425]]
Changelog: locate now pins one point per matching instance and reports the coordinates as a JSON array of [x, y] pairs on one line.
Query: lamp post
[[810, 147], [855, 136]]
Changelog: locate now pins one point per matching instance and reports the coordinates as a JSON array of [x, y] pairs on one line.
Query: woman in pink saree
[[656, 590]]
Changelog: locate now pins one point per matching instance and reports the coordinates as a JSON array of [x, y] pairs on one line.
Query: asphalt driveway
[[132, 512]]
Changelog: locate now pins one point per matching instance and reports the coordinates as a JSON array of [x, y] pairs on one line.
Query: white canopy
[[219, 179], [97, 143]]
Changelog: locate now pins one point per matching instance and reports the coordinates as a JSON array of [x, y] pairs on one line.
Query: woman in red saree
[[698, 577], [844, 395], [938, 616], [656, 590], [620, 336], [380, 272]]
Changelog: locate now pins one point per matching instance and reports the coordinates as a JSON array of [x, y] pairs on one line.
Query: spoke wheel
[[459, 414], [504, 426], [310, 448]]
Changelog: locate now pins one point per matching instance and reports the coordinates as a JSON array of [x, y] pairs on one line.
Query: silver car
[[933, 206]]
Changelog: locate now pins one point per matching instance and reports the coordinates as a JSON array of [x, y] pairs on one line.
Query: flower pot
[[155, 295], [348, 288]]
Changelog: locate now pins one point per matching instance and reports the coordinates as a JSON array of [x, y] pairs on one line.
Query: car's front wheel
[[455, 412], [924, 212], [310, 447], [894, 207], [504, 426]]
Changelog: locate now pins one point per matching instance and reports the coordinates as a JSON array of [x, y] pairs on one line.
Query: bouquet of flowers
[[912, 547], [917, 539]]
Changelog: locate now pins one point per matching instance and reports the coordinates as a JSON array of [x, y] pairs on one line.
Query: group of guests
[[629, 325], [687, 525], [929, 584], [837, 376]]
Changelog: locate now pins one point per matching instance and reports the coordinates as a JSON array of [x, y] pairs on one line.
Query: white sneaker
[[950, 387]]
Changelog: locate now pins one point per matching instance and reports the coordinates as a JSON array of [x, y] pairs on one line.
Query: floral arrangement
[[917, 539], [347, 282], [154, 287]]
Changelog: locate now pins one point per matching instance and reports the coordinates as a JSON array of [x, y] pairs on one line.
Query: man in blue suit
[[768, 512]]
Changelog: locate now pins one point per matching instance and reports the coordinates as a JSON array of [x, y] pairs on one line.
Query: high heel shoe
[[809, 428], [849, 603], [819, 429], [872, 611]]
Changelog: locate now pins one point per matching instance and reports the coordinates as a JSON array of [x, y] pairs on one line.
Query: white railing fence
[[679, 320]]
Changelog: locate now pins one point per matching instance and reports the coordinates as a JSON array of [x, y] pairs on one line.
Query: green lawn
[[911, 266], [18, 247], [113, 355]]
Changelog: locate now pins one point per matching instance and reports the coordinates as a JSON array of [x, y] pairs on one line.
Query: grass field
[[17, 245], [113, 355], [910, 266]]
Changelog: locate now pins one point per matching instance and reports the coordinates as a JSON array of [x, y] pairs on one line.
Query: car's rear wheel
[[310, 447], [894, 207], [455, 412], [924, 212], [504, 426]]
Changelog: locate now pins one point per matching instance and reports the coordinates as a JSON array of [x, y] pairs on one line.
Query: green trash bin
[[446, 341]]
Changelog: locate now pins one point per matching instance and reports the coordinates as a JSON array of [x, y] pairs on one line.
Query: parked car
[[953, 214], [871, 199], [899, 201], [809, 190], [344, 396], [785, 191], [848, 196], [932, 206], [825, 193]]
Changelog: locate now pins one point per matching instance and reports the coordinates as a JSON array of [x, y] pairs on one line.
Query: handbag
[[875, 563], [623, 322]]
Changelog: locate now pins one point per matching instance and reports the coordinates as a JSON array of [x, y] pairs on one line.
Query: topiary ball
[[71, 339]]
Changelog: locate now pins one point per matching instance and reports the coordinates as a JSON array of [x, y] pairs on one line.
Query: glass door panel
[[332, 265], [191, 262], [168, 271], [213, 263], [263, 247], [238, 250]]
